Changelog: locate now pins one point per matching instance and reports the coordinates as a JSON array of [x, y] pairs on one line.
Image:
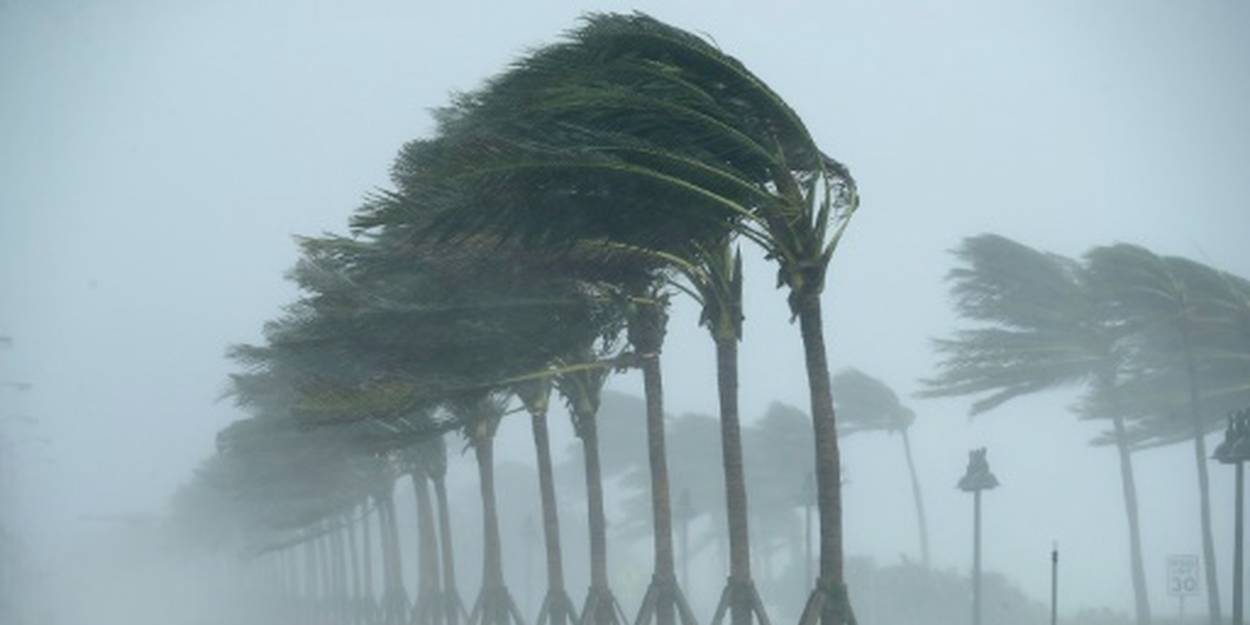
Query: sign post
[[1183, 580]]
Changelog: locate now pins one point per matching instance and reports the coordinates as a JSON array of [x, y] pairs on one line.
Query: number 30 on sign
[[1182, 575]]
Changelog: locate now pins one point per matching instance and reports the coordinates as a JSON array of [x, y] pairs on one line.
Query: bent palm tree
[[1040, 326], [668, 139], [867, 405], [1190, 345]]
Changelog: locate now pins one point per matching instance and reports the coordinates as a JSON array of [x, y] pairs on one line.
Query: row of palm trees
[[1158, 345], [531, 245]]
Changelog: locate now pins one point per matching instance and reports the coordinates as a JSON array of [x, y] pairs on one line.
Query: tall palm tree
[[428, 608], [1039, 326], [669, 138], [556, 608], [481, 412], [713, 277], [783, 431], [629, 277], [868, 405], [581, 389], [1189, 341]]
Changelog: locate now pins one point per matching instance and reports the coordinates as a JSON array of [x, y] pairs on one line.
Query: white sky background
[[155, 159]]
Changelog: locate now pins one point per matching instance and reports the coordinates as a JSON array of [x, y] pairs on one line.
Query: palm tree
[[670, 139], [713, 277], [867, 405], [557, 608], [1040, 327], [1187, 326], [581, 389], [428, 609], [630, 277], [784, 431]]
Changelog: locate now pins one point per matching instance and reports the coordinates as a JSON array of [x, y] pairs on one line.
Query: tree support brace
[[829, 604], [742, 592], [664, 589]]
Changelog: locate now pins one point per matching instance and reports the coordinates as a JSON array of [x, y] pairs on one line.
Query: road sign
[[1183, 577]]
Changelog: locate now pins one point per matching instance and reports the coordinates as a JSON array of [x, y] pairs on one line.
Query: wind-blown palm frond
[[1041, 328], [866, 404]]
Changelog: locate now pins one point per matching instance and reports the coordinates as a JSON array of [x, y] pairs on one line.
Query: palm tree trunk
[[921, 523], [339, 558], [661, 501], [427, 551], [451, 596], [551, 517], [831, 583], [735, 481], [1128, 484], [354, 555], [589, 432], [1204, 487], [492, 558], [646, 330], [366, 545], [393, 598], [310, 570], [323, 558]]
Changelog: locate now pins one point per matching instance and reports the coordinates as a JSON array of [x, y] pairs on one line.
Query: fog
[[158, 158]]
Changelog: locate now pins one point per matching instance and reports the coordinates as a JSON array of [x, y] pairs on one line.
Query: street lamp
[[1235, 450], [976, 479]]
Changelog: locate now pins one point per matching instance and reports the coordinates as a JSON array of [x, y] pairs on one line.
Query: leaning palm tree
[[868, 405], [1187, 333], [1039, 326], [628, 278], [669, 140]]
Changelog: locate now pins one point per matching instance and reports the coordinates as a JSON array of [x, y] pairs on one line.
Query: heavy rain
[[596, 313]]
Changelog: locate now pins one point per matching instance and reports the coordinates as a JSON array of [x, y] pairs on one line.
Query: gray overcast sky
[[157, 157]]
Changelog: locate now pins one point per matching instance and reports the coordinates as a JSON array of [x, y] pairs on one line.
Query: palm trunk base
[[741, 600], [494, 606], [428, 609], [395, 607], [557, 609], [453, 606], [602, 608], [366, 610], [829, 604], [664, 594]]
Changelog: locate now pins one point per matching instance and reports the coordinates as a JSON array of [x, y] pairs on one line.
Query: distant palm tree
[[868, 405], [1186, 324], [1039, 326]]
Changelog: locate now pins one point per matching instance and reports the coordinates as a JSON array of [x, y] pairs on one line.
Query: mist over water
[[158, 158]]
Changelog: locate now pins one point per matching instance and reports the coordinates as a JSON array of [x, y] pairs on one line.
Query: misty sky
[[157, 157]]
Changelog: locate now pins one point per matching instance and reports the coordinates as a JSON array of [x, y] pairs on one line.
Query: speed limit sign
[[1183, 575]]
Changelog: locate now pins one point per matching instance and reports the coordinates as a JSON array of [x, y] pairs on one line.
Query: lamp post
[[1235, 450], [976, 479]]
